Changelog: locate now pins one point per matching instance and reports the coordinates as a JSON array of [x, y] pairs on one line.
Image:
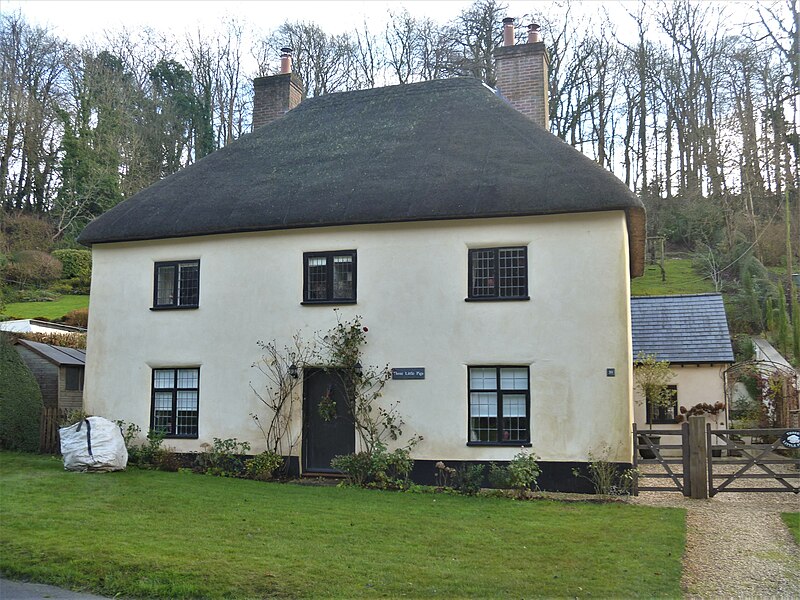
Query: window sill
[[502, 444], [181, 437], [493, 299], [188, 307], [326, 302]]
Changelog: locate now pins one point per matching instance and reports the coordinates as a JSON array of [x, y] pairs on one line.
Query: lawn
[[48, 310], [681, 279], [179, 535], [792, 520]]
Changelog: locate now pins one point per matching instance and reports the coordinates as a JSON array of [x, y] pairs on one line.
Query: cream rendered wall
[[412, 281], [696, 384]]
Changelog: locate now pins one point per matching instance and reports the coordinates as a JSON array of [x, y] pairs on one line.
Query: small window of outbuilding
[[73, 379]]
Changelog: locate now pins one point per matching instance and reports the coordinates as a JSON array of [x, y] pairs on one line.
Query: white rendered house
[[477, 247]]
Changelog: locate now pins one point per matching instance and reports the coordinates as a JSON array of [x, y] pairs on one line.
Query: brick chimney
[[522, 72], [276, 95]]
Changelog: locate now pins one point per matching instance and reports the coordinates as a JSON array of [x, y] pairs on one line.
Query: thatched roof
[[448, 149]]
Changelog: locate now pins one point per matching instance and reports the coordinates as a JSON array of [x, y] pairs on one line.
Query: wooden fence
[[49, 442]]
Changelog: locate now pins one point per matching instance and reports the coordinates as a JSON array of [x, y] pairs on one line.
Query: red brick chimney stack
[[508, 31], [533, 33], [286, 60], [276, 95], [522, 73]]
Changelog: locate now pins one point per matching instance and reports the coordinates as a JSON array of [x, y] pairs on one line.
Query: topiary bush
[[20, 401], [77, 263]]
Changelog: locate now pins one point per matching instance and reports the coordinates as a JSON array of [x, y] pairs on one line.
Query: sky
[[79, 20]]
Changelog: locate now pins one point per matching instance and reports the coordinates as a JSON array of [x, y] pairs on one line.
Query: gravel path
[[737, 546]]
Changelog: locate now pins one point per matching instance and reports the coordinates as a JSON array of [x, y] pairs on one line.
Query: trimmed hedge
[[20, 401], [77, 263]]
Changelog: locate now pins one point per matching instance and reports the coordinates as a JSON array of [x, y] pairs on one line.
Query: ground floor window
[[175, 402], [662, 414], [499, 404]]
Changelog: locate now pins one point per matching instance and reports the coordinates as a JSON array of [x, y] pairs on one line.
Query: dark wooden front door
[[327, 432]]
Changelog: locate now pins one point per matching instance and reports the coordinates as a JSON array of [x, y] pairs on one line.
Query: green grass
[[49, 310], [792, 520], [681, 279], [179, 535]]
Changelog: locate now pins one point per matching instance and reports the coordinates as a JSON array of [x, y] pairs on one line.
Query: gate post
[[698, 457]]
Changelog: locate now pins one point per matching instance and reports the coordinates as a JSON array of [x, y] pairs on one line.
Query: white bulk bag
[[93, 444]]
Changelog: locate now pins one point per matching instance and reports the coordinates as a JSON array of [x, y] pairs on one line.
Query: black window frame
[[73, 378], [662, 414], [172, 433], [176, 303], [329, 256], [500, 392], [495, 295]]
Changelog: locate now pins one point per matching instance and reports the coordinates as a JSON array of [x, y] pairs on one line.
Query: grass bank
[[681, 278], [179, 535], [49, 310]]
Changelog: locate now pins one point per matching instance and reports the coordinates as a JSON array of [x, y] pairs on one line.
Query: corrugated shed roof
[[445, 149], [57, 355], [681, 329]]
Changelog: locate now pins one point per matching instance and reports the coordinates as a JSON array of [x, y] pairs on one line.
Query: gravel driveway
[[737, 546]]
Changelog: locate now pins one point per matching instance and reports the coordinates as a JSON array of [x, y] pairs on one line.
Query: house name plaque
[[408, 373]]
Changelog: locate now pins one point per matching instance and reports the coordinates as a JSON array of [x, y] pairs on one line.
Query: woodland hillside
[[694, 105]]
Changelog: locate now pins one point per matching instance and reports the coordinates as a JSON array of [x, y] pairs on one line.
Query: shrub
[[263, 466], [77, 318], [499, 476], [444, 475], [147, 455], [223, 459], [380, 469], [606, 477], [20, 401], [22, 231], [32, 296], [166, 460], [523, 471], [520, 474], [469, 478], [357, 467], [76, 263], [32, 267], [67, 340], [71, 417]]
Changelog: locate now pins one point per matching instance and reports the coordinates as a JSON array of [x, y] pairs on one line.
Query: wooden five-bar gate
[[701, 462], [752, 455]]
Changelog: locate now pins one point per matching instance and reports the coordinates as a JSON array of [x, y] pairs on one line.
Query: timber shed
[[58, 370]]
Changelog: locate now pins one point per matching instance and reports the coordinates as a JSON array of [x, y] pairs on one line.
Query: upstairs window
[[329, 277], [498, 273], [177, 284], [175, 399], [499, 399]]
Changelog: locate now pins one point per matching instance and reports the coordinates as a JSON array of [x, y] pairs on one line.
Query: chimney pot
[[533, 33], [508, 31], [286, 60]]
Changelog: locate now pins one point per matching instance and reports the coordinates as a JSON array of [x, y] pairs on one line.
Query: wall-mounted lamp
[[358, 369], [293, 371]]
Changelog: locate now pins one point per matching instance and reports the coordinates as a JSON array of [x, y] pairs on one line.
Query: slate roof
[[58, 355], [445, 149], [681, 329]]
